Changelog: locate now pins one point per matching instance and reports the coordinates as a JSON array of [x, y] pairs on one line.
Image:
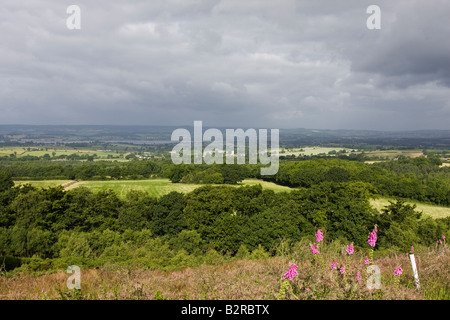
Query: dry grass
[[245, 280], [391, 154], [241, 279]]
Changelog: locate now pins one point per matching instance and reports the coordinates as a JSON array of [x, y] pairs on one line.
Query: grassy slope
[[155, 188], [434, 211], [42, 183]]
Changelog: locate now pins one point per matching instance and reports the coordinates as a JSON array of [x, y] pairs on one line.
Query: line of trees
[[421, 178], [71, 170]]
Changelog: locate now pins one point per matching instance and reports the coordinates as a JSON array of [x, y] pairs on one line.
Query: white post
[[416, 275]]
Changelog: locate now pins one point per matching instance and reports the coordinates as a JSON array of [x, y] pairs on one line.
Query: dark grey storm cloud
[[253, 63]]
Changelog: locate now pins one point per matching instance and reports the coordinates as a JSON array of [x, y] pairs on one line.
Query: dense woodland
[[46, 228]]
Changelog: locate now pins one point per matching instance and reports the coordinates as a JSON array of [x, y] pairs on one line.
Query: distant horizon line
[[191, 125]]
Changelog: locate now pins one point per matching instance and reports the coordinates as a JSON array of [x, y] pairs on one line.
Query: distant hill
[[162, 134]]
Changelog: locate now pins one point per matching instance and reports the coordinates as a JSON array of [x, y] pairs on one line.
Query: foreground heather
[[247, 279]]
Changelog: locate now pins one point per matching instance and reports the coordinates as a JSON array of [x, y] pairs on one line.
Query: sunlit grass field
[[43, 183], [155, 188], [434, 211], [266, 185], [391, 154]]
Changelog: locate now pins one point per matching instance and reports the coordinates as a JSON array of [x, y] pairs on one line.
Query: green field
[[43, 183], [391, 154], [434, 211], [155, 188], [265, 185]]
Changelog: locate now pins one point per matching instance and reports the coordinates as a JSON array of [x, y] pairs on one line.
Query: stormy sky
[[232, 63]]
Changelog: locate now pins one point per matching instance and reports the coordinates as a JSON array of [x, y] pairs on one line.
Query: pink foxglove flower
[[342, 270], [372, 238], [292, 272], [398, 271], [314, 248], [350, 248], [358, 276], [319, 236], [366, 261], [412, 248], [333, 265], [443, 237]]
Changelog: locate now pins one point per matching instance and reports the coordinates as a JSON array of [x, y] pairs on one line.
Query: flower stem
[[370, 257], [284, 286]]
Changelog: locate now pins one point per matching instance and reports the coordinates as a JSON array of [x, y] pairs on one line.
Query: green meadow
[[43, 183], [434, 211]]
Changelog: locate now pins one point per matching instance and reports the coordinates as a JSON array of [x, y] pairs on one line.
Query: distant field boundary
[[70, 185]]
